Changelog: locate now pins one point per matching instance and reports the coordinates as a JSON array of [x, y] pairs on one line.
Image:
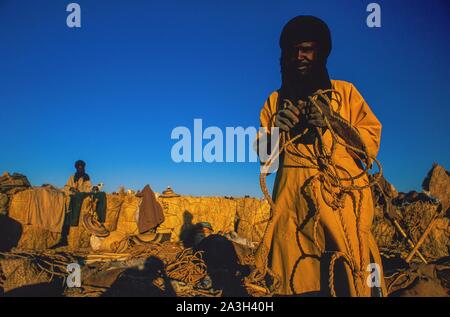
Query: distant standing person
[[80, 181]]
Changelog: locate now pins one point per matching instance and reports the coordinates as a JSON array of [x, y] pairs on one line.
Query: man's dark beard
[[80, 173], [295, 86]]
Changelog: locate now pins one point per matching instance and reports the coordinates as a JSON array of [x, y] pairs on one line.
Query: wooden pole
[[425, 234], [410, 242]]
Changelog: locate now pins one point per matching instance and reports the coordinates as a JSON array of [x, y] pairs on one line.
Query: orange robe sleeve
[[365, 121]]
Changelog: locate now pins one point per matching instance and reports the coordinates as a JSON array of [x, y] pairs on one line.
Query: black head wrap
[[301, 29], [80, 173], [80, 163]]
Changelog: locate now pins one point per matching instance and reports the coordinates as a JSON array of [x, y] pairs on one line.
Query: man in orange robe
[[311, 246]]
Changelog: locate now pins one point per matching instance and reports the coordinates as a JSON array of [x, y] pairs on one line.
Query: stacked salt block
[[252, 216], [185, 211], [126, 222], [247, 216], [113, 207]]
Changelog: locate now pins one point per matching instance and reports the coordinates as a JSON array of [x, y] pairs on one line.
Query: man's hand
[[287, 118], [312, 116], [315, 118]]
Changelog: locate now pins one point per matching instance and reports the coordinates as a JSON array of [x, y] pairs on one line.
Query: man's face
[[80, 168], [303, 58]]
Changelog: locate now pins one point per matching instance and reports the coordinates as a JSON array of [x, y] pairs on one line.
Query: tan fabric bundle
[[150, 211]]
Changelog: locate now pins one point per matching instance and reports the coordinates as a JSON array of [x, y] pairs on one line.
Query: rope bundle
[[91, 223], [52, 263], [184, 266], [188, 267]]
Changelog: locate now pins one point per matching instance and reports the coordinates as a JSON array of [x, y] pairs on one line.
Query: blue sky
[[112, 91]]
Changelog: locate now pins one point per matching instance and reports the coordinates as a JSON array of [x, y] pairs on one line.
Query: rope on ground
[[48, 261], [188, 267]]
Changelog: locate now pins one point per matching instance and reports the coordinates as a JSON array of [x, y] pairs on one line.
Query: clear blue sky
[[111, 92]]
